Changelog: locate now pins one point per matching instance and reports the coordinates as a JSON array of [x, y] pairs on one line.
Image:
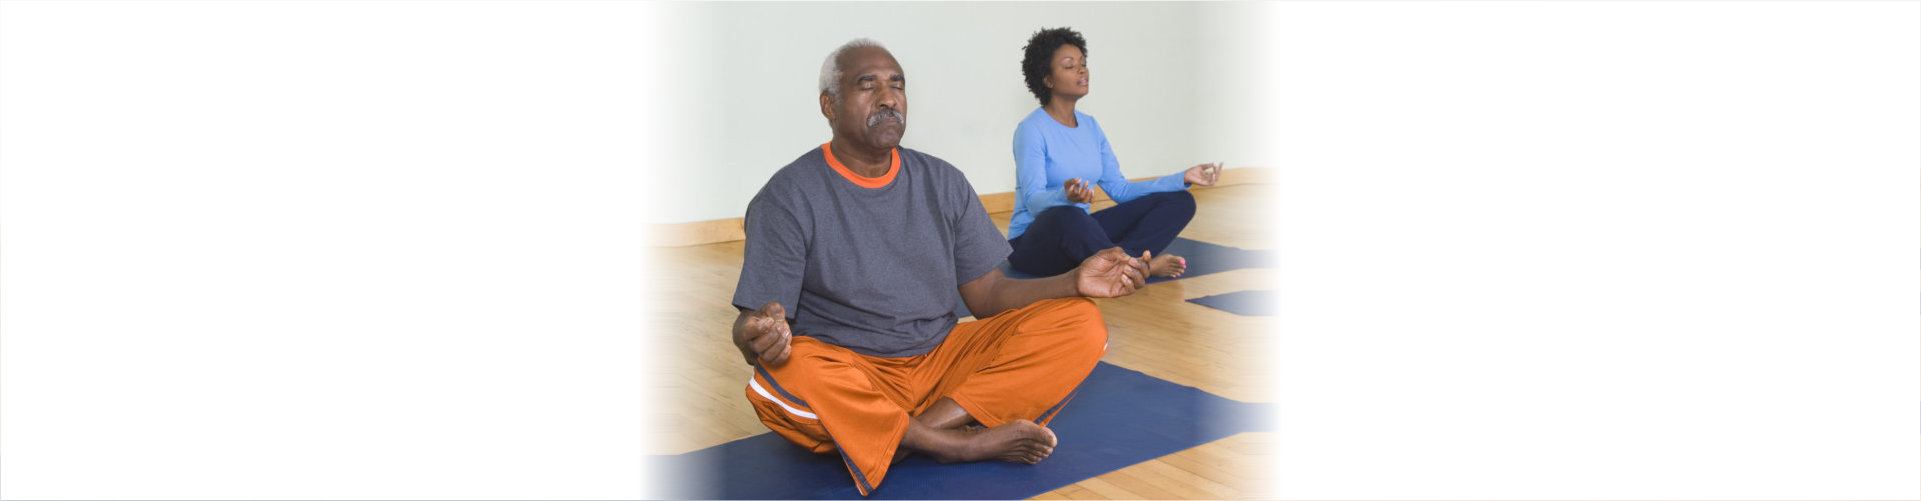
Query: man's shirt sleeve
[[775, 262], [979, 246]]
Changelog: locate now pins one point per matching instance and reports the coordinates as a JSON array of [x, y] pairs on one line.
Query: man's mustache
[[873, 120]]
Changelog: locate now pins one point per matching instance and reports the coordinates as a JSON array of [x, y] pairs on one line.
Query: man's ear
[[827, 106]]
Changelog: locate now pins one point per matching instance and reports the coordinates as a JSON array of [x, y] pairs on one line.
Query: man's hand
[[1111, 273], [1078, 191], [1203, 174], [763, 334]]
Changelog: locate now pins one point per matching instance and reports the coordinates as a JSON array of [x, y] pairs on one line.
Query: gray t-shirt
[[875, 270]]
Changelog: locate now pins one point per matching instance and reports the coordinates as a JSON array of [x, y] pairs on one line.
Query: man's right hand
[[763, 334]]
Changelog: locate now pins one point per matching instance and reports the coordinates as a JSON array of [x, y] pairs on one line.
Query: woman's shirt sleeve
[[1030, 171]]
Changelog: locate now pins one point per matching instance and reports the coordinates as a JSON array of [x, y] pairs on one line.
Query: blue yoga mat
[[1202, 259], [1243, 303], [1118, 418]]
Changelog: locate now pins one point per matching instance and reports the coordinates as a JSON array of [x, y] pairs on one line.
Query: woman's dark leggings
[[1061, 237]]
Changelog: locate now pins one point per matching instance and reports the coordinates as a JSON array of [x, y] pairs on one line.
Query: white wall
[[324, 250], [745, 98], [1234, 81], [1598, 250]]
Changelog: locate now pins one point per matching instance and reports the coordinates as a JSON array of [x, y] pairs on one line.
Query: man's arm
[[772, 270], [763, 334], [1108, 273]]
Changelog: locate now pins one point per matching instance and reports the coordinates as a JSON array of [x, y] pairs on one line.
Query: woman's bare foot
[[1166, 265], [1015, 442]]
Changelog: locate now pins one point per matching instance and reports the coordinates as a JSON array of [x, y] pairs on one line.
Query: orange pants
[[1020, 364]]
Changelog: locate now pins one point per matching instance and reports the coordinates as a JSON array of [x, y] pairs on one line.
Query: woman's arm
[[1117, 186], [1030, 171]]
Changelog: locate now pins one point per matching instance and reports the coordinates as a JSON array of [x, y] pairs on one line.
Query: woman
[[1058, 151]]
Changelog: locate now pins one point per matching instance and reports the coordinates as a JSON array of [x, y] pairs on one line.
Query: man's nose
[[889, 97]]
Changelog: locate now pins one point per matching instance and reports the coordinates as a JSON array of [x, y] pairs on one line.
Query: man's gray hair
[[830, 70]]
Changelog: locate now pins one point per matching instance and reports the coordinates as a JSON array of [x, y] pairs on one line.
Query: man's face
[[872, 109]]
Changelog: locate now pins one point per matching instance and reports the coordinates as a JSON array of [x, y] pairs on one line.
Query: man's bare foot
[[945, 414], [1019, 441], [1015, 442], [1166, 265]]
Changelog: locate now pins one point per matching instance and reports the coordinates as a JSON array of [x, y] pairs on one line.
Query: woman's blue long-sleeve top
[[1047, 154]]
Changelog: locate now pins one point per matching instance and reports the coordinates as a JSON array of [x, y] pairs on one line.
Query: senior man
[[856, 254]]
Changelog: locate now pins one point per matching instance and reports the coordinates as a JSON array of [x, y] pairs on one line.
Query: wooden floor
[[1154, 331]]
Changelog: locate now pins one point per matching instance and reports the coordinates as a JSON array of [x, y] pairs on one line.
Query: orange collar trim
[[864, 182]]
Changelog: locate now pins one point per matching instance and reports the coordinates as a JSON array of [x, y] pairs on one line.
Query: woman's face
[[1068, 78]]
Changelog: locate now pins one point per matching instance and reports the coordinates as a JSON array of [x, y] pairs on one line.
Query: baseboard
[[730, 229], [696, 233]]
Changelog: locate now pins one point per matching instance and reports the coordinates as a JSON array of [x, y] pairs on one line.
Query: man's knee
[[784, 395], [1082, 318], [793, 421], [1080, 307]]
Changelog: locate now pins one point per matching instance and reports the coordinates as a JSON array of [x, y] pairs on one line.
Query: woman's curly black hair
[[1040, 54]]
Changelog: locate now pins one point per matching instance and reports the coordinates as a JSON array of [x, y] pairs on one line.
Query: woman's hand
[[1078, 191], [1203, 174]]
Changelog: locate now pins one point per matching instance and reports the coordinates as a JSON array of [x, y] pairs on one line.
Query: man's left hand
[[1111, 273]]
